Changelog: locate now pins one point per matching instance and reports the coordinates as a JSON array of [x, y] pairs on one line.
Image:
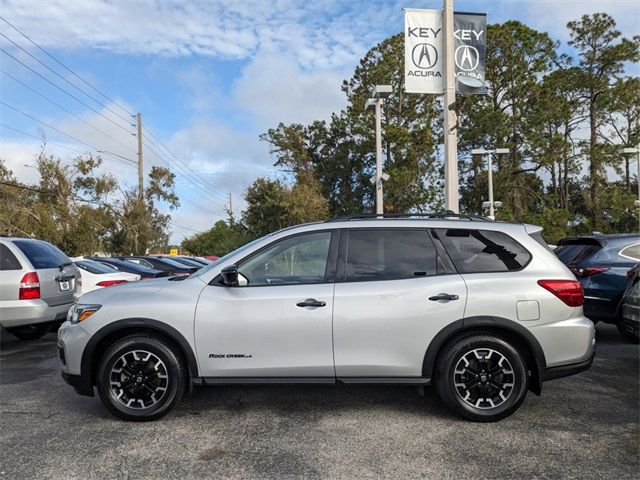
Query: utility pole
[[450, 122], [140, 169], [230, 206], [636, 151]]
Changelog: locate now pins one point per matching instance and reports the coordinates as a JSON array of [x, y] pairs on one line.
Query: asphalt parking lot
[[586, 426]]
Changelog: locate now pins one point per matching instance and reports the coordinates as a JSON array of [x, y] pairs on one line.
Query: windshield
[[229, 255], [572, 253]]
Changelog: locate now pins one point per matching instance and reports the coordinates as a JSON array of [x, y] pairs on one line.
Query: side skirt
[[311, 380]]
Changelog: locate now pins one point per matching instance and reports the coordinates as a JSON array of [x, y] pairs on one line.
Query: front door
[[395, 290], [277, 323]]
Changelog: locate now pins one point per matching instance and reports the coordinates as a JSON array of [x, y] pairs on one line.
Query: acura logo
[[424, 55], [467, 57]]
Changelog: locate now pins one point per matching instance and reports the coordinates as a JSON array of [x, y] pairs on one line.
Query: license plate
[[65, 286]]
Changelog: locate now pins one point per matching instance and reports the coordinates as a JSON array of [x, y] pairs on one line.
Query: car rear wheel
[[30, 332], [481, 377], [141, 378]]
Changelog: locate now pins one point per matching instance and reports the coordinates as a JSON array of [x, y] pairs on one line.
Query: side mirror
[[230, 275]]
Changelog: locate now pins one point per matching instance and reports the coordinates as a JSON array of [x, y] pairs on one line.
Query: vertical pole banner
[[423, 58], [470, 37]]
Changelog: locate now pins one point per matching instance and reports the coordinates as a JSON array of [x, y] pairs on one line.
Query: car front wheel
[[141, 378], [481, 377]]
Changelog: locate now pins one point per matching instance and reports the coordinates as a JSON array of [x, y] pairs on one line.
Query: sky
[[208, 78]]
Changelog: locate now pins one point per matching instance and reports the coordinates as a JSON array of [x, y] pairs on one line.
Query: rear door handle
[[443, 296], [311, 302]]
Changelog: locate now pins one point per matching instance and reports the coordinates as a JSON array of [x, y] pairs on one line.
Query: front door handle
[[443, 296], [311, 302]]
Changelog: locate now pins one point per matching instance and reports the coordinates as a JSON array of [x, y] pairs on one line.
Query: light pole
[[481, 151], [379, 93], [631, 151]]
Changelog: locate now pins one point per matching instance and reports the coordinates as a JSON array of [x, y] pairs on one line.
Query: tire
[[30, 332], [627, 335], [473, 374], [141, 378]]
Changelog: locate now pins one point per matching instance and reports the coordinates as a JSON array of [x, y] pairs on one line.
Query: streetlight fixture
[[483, 151], [378, 94], [636, 151]]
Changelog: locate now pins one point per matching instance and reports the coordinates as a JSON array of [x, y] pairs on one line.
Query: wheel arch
[[534, 355], [107, 335]]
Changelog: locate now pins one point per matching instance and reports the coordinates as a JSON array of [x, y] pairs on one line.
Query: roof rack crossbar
[[432, 215]]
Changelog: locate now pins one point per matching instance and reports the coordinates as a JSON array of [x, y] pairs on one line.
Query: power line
[[64, 91], [64, 78], [204, 180], [64, 109], [50, 55], [119, 158], [193, 179], [51, 126]]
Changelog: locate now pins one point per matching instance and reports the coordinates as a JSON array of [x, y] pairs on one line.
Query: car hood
[[125, 290]]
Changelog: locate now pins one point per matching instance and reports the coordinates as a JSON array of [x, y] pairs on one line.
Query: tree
[[222, 238], [602, 53]]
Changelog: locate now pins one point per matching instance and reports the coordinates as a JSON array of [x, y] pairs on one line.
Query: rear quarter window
[[482, 251], [41, 254], [632, 252], [8, 260]]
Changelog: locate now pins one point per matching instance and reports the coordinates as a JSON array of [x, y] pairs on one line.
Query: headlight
[[79, 312]]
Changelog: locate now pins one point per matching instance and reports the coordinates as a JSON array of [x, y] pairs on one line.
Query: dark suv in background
[[601, 262]]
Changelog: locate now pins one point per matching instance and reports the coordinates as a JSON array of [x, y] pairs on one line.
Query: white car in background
[[97, 275]]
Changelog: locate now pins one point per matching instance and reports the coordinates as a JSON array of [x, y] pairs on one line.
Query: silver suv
[[37, 286], [482, 310]]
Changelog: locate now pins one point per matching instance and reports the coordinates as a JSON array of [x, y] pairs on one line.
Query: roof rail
[[434, 215]]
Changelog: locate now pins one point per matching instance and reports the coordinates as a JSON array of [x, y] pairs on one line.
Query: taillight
[[110, 283], [29, 287], [587, 271], [569, 291]]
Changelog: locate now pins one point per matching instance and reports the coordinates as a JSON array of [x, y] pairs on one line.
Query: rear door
[[57, 274], [395, 290]]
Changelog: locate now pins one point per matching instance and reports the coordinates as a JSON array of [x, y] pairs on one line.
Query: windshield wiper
[[62, 265]]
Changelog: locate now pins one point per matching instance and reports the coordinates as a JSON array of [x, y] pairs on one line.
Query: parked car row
[[39, 283]]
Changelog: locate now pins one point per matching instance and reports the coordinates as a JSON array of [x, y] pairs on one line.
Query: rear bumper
[[17, 313], [80, 384], [560, 371]]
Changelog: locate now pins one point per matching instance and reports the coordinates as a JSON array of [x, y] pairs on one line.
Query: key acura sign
[[423, 63]]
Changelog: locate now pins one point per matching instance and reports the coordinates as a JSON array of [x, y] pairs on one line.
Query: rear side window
[[478, 251], [42, 254], [8, 260], [632, 252], [378, 254]]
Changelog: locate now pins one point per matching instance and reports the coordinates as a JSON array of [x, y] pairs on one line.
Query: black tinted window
[[475, 251], [93, 267], [42, 254], [572, 253], [8, 260], [388, 255]]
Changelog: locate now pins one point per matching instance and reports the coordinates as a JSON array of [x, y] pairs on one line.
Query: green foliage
[[219, 240]]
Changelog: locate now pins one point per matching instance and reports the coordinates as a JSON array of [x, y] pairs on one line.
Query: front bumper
[[80, 384]]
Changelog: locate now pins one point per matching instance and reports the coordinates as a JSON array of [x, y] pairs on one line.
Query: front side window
[[477, 251], [388, 254], [301, 259]]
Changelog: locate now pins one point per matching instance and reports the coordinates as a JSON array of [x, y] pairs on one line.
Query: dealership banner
[[423, 62], [423, 52], [470, 46]]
